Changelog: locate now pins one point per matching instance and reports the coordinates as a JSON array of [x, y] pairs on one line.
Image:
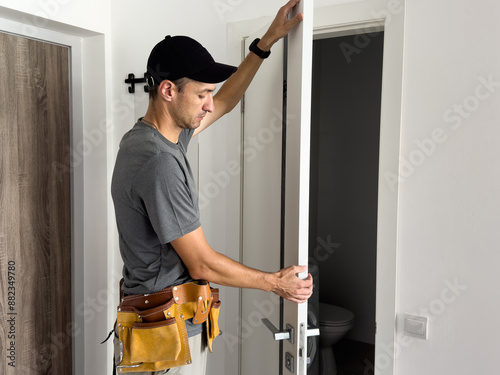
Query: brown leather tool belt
[[152, 330]]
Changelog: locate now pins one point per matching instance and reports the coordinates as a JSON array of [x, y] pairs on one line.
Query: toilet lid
[[334, 315]]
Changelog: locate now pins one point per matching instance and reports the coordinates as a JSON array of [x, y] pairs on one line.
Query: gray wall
[[344, 174]]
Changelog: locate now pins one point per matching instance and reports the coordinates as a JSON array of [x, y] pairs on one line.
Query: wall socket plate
[[416, 326]]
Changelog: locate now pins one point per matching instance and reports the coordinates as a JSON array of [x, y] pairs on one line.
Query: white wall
[[92, 15], [449, 202]]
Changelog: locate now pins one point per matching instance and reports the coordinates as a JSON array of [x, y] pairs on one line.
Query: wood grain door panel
[[35, 216]]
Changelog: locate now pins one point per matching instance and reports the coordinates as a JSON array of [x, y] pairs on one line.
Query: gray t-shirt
[[155, 200]]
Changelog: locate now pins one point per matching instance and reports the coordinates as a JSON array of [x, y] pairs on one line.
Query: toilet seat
[[334, 316]]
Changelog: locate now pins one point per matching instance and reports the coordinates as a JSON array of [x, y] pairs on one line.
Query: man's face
[[193, 103]]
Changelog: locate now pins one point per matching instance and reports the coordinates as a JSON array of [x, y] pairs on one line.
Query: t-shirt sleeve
[[164, 194], [185, 137]]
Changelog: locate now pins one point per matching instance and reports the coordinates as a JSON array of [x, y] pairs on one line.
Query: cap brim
[[215, 73]]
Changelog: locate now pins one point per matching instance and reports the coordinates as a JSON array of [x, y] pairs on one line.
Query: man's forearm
[[217, 268], [233, 89], [204, 263], [285, 283]]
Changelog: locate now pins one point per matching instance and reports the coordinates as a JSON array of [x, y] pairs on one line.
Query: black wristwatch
[[253, 48]]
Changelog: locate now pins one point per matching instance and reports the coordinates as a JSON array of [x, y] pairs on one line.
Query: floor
[[354, 358]]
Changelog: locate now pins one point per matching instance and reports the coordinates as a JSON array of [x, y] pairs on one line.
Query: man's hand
[[280, 26], [290, 287]]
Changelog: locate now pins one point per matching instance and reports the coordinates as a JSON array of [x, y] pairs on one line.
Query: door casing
[[93, 306]]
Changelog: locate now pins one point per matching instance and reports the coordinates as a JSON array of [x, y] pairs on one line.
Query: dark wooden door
[[35, 215]]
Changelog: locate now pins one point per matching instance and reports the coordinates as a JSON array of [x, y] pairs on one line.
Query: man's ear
[[166, 90]]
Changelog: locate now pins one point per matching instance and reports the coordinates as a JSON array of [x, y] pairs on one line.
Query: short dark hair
[[180, 83]]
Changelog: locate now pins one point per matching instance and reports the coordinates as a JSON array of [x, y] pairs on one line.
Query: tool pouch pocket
[[155, 342], [152, 346], [213, 324]]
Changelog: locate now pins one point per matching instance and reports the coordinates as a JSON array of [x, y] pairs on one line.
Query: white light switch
[[416, 326]]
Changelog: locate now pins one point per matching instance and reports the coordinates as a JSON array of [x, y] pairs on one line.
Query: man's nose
[[209, 104]]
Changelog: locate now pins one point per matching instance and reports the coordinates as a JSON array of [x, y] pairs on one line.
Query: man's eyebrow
[[206, 90]]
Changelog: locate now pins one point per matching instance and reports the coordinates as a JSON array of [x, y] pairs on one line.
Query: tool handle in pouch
[[213, 324]]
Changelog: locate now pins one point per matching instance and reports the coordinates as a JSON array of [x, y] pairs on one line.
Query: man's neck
[[162, 121]]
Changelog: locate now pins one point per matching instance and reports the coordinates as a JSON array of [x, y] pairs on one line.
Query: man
[[161, 239]]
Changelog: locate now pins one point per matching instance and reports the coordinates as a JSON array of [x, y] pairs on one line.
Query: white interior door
[[296, 189], [275, 199]]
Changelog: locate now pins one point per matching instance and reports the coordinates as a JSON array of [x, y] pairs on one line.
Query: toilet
[[334, 323]]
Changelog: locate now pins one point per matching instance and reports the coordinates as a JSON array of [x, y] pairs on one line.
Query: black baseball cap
[[181, 56]]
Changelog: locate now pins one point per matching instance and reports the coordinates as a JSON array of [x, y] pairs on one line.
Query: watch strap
[[253, 48]]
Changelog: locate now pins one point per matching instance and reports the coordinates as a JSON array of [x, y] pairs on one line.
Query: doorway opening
[[344, 177]]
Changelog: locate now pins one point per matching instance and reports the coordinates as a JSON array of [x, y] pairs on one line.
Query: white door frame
[[360, 17], [89, 130]]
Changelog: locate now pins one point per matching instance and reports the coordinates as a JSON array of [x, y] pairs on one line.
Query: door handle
[[312, 331], [278, 335]]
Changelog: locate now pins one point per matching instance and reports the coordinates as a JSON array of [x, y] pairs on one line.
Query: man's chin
[[195, 125], [197, 122]]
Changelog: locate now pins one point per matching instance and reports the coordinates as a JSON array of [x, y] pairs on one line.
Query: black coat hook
[[131, 80]]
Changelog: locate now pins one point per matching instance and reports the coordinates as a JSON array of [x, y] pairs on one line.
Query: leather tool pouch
[[152, 330]]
